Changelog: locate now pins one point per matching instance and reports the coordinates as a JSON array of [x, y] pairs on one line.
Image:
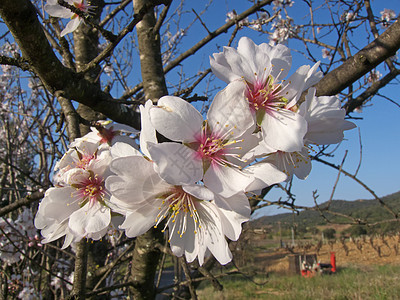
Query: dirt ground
[[358, 252]]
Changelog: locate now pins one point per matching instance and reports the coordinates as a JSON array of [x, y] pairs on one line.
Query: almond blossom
[[107, 133], [325, 125], [204, 150], [386, 16], [197, 219], [78, 207], [56, 10], [271, 99]]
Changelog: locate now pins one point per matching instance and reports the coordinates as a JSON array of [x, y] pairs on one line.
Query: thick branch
[[20, 17], [18, 62], [364, 61]]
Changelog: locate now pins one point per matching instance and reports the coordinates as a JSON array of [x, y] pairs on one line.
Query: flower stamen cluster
[[177, 205]]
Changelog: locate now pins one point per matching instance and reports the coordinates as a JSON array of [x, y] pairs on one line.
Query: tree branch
[[20, 17], [20, 203], [361, 63]]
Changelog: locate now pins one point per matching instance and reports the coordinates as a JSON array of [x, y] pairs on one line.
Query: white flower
[[271, 99], [325, 119], [282, 3], [326, 54], [230, 15], [54, 9], [348, 16], [326, 123], [373, 76], [213, 147], [78, 206], [79, 157], [283, 30], [386, 16], [107, 133], [197, 219]]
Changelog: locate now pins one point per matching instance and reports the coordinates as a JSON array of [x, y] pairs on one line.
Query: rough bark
[[150, 55], [80, 271], [146, 255], [86, 47]]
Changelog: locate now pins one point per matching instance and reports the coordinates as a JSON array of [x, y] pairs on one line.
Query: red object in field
[[307, 273], [333, 262]]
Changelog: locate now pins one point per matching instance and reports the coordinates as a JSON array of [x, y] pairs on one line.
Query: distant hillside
[[370, 210]]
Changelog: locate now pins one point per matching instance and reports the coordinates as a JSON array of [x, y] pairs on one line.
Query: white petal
[[188, 242], [123, 150], [71, 26], [294, 86], [240, 65], [303, 167], [139, 221], [136, 180], [313, 76], [221, 68], [230, 112], [148, 133], [249, 51], [281, 59], [177, 164], [58, 11], [198, 191], [325, 119], [176, 119], [122, 128], [69, 238], [59, 203], [233, 212], [213, 233], [267, 173], [88, 220], [284, 130], [226, 181]]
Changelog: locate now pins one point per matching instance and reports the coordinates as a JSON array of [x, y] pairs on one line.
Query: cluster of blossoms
[[255, 134], [231, 15], [282, 3], [348, 16], [283, 29], [15, 235], [21, 287], [387, 15], [373, 76]]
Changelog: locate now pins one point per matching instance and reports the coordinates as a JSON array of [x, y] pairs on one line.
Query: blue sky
[[378, 128]]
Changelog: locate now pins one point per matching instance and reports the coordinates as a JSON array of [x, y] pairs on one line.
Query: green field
[[373, 282]]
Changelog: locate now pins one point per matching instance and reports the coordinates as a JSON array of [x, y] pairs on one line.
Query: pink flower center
[[265, 95], [213, 147], [91, 190], [84, 160], [82, 6], [106, 135]]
